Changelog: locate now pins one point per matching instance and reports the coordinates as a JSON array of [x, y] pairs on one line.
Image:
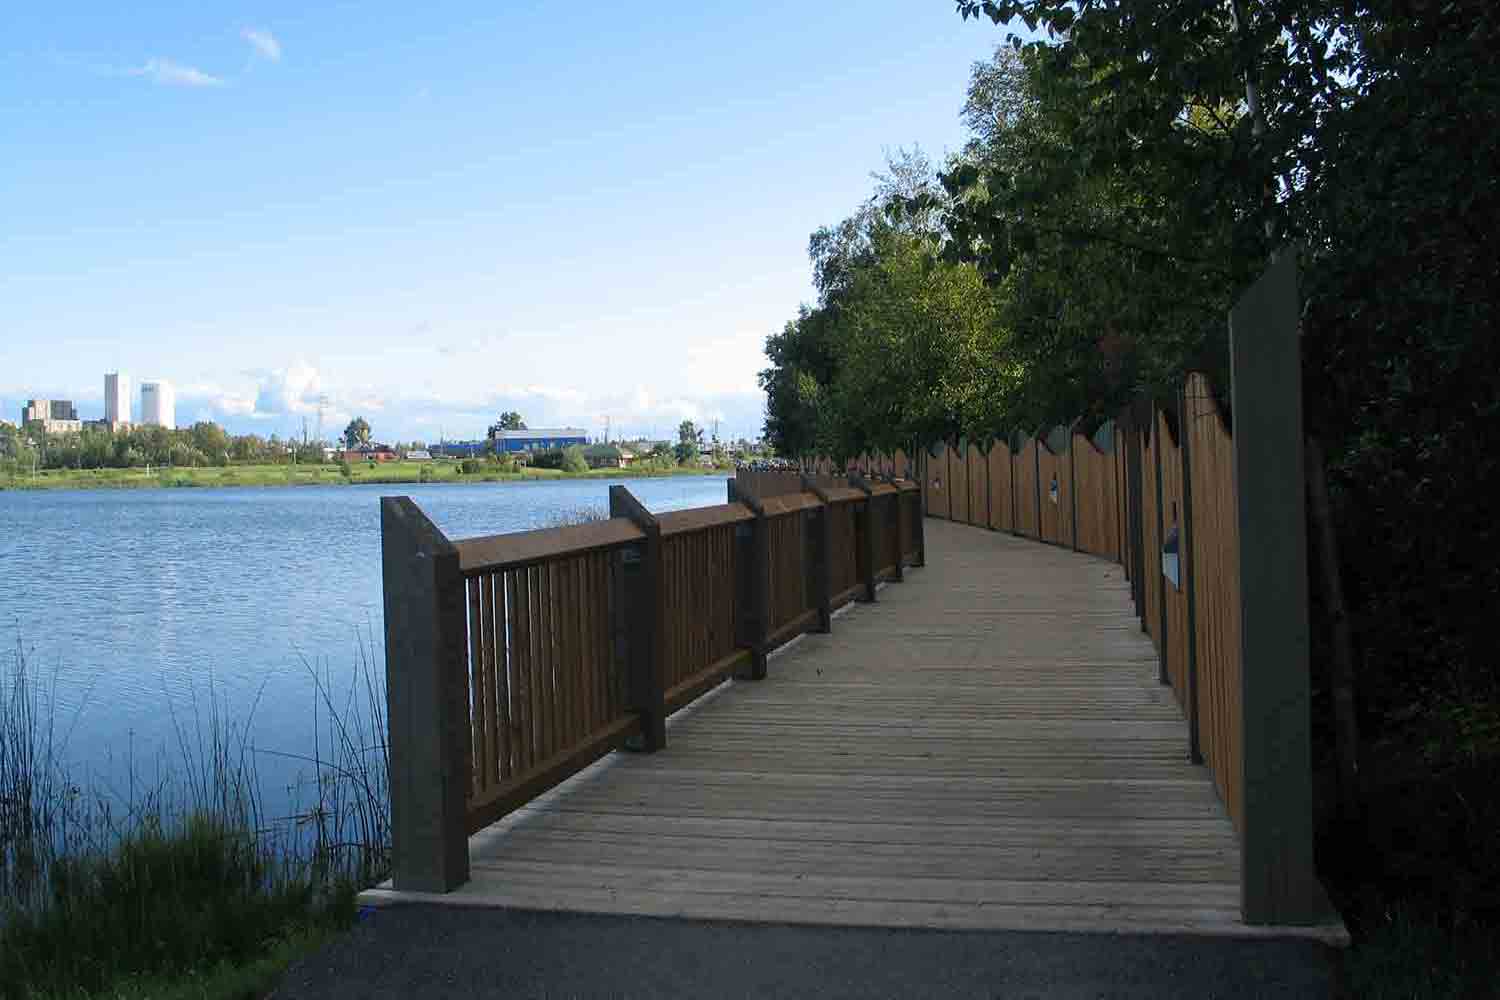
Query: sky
[[427, 214]]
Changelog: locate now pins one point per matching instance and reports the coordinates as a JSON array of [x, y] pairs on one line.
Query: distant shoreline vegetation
[[323, 474]]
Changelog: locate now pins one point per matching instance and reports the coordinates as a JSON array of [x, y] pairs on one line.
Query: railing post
[[1156, 573], [1036, 454], [919, 519], [822, 548], [1135, 491], [754, 624], [1276, 844], [893, 519], [1186, 558], [1010, 451], [427, 700], [1073, 482], [864, 528], [644, 612]]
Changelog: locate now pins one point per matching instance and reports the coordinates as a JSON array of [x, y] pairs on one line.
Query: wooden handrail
[[495, 552], [677, 522], [844, 494], [790, 503]]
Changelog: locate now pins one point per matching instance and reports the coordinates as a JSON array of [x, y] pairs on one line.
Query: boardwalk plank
[[985, 747]]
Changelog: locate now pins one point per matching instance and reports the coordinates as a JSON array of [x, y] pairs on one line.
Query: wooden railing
[[514, 661], [1203, 508]]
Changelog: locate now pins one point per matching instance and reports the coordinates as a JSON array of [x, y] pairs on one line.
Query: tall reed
[[182, 869]]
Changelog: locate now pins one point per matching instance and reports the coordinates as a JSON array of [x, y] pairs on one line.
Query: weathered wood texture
[[1216, 580], [958, 483], [986, 747], [700, 595], [790, 597], [936, 485], [1002, 490], [1098, 498], [977, 471], [844, 555], [542, 672], [1056, 496], [1028, 499], [763, 483], [1175, 637]]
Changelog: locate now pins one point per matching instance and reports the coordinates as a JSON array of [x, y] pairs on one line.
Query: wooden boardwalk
[[987, 746]]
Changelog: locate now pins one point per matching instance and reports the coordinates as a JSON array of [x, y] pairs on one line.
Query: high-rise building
[[116, 400], [158, 404], [57, 416]]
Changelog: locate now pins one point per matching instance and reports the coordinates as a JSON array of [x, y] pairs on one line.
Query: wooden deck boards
[[985, 747]]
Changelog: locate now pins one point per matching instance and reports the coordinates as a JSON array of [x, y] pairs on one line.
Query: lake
[[143, 608]]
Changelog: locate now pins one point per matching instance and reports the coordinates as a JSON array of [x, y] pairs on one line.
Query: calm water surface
[[146, 606]]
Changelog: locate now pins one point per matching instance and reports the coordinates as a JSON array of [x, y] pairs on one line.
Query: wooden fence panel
[[1216, 580], [698, 577], [1026, 489], [1150, 537], [1171, 495], [936, 486], [1052, 472], [998, 470], [788, 545], [958, 483], [843, 552], [900, 466], [1098, 498], [543, 680], [976, 471]]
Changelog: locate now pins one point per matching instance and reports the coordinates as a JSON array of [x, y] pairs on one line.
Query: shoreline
[[280, 476]]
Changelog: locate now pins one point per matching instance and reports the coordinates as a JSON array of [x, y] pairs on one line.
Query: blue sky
[[429, 213]]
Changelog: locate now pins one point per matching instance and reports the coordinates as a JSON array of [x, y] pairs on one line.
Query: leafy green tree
[[357, 433], [573, 461], [210, 439], [689, 443], [510, 420]]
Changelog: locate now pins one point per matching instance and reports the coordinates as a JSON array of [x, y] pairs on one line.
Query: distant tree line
[[203, 444]]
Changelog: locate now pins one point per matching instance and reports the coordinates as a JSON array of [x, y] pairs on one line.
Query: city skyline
[[430, 220]]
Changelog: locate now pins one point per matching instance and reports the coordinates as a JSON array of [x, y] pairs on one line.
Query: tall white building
[[116, 400], [158, 404]]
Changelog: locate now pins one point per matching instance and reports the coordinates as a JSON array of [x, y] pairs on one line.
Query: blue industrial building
[[541, 439], [515, 442]]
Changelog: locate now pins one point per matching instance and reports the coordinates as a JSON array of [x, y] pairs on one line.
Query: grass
[[185, 887], [310, 475]]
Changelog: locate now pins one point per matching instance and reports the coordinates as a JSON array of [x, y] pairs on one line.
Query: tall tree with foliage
[[357, 433]]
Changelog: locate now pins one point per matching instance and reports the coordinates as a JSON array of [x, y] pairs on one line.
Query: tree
[[689, 442], [210, 439], [357, 433], [573, 461], [510, 420]]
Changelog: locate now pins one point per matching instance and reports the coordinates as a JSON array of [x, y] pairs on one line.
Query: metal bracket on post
[[644, 615], [822, 550], [427, 700], [865, 530]]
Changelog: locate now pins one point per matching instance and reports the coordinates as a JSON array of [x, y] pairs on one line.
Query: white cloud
[[293, 389], [263, 42], [171, 74]]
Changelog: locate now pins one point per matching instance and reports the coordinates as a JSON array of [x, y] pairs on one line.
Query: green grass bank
[[329, 474]]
